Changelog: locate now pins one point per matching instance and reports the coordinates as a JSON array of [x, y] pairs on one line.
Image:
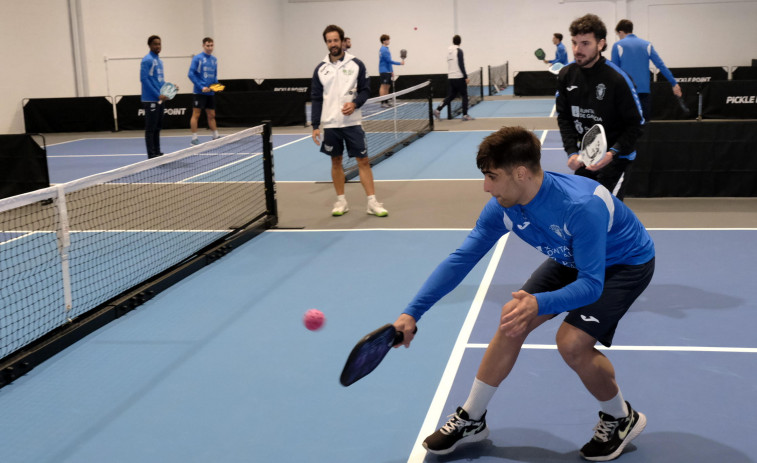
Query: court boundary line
[[418, 453], [747, 350]]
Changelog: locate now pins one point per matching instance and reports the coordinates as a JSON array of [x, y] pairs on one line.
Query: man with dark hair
[[457, 79], [340, 87], [203, 72], [386, 71], [561, 55], [600, 259], [591, 91], [152, 78], [633, 54], [346, 44]]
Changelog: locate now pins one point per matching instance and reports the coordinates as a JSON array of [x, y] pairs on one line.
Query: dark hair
[[151, 38], [456, 40], [333, 28], [384, 37], [559, 36], [589, 24], [624, 25], [509, 147], [206, 40]]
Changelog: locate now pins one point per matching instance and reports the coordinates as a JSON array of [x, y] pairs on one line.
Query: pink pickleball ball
[[314, 319]]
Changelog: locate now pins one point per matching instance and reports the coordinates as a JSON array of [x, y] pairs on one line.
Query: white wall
[[282, 38]]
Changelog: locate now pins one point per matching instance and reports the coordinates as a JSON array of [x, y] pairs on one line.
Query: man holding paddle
[[600, 259], [203, 72], [561, 54], [593, 91]]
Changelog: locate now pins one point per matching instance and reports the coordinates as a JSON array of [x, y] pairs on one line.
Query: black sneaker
[[460, 429], [611, 435]]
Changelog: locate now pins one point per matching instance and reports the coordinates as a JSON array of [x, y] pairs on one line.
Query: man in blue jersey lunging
[[600, 259], [203, 72], [633, 55]]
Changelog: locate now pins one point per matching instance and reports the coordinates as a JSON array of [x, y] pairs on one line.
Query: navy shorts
[[204, 101], [385, 78], [623, 284], [335, 139]]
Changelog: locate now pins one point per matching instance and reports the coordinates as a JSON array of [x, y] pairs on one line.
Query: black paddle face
[[403, 53], [539, 53], [369, 352]]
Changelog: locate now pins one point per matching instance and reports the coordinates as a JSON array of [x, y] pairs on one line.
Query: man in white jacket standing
[[457, 79], [340, 87]]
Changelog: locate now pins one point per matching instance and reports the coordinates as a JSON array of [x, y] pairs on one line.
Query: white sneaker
[[437, 115], [467, 118], [340, 208], [376, 208]]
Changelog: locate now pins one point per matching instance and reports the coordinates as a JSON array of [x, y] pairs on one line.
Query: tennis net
[[498, 78], [393, 121], [475, 94], [74, 248]]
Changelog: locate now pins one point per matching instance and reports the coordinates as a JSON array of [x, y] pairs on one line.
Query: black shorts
[[623, 284], [335, 139], [385, 78], [203, 101]]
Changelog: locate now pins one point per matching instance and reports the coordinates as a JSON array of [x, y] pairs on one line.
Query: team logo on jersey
[[348, 72], [579, 127], [601, 90], [328, 148], [556, 229]]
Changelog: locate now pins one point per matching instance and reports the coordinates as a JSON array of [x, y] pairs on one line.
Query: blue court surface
[[219, 367]]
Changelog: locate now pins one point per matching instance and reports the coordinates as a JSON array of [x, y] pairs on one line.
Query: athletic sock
[[215, 134], [479, 397], [341, 198], [371, 198], [615, 407], [194, 135]]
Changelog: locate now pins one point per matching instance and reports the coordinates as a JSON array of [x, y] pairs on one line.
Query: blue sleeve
[[457, 265], [615, 57], [316, 99], [562, 55], [151, 82], [363, 85], [193, 74], [661, 66], [461, 63], [588, 226]]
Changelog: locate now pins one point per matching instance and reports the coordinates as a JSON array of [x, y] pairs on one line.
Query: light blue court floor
[[81, 158], [220, 368]]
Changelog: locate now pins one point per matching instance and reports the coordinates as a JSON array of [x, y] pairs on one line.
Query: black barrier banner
[[698, 75], [24, 164], [534, 83], [735, 99], [176, 113], [744, 73], [84, 114], [246, 109], [665, 105], [695, 159]]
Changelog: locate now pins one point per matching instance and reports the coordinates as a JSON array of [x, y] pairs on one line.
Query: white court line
[[445, 385], [543, 137], [748, 350], [93, 155]]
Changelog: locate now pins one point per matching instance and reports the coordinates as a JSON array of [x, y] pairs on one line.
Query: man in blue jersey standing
[[633, 55], [339, 89], [203, 72], [592, 90], [457, 79], [386, 70], [600, 259], [561, 54], [152, 78]]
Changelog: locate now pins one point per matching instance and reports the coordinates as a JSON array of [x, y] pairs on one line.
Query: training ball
[[314, 319]]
